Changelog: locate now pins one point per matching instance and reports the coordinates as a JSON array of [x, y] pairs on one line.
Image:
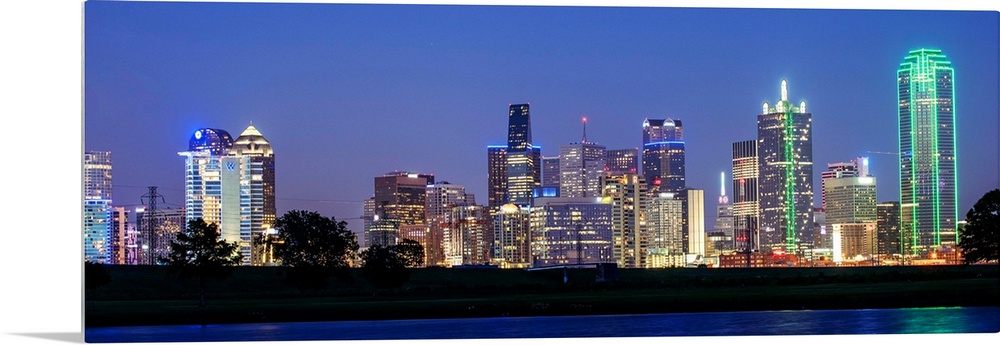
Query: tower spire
[[722, 182], [584, 129], [784, 90]]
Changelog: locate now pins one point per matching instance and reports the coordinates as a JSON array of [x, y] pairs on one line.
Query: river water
[[796, 322]]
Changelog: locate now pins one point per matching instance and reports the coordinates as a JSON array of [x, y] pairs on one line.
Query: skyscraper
[[694, 223], [230, 183], [627, 194], [927, 178], [850, 199], [511, 238], [400, 199], [663, 154], [746, 203], [856, 167], [850, 209], [550, 172], [97, 235], [665, 231], [496, 185], [257, 205], [887, 229], [622, 161], [581, 166], [474, 237], [723, 232], [784, 142], [524, 166], [122, 239], [442, 230]]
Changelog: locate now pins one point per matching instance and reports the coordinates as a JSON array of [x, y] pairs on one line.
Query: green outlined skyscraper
[[784, 144], [927, 175]]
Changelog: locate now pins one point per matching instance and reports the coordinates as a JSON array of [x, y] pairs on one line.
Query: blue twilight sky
[[345, 93]]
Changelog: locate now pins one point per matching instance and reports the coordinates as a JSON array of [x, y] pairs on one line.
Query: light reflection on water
[[797, 322]]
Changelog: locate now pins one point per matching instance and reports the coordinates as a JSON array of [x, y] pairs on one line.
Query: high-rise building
[[496, 184], [887, 229], [628, 196], [581, 166], [258, 212], [97, 175], [853, 241], [746, 203], [441, 199], [856, 167], [570, 231], [400, 199], [622, 161], [98, 239], [663, 154], [723, 233], [850, 213], [927, 178], [368, 219], [694, 223], [231, 183], [97, 230], [511, 238], [469, 238], [850, 200], [784, 143], [122, 238], [524, 166], [822, 235], [206, 195], [550, 172], [665, 230], [675, 224]]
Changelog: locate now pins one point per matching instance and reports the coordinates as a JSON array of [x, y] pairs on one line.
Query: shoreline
[[679, 291]]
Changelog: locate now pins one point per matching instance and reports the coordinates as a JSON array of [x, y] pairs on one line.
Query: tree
[[200, 252], [980, 238], [314, 247], [411, 252], [95, 275], [385, 267]]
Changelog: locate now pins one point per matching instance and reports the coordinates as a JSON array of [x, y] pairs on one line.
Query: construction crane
[[884, 153]]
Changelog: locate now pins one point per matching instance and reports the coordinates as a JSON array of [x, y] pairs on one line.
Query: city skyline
[[337, 128]]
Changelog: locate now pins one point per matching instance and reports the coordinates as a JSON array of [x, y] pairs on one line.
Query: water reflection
[[798, 322]]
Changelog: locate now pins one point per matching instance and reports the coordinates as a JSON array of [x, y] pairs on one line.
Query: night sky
[[345, 93]]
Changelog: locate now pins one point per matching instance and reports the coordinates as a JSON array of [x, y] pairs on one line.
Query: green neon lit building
[[927, 176], [784, 142]]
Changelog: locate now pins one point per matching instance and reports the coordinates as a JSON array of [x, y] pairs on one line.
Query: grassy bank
[[149, 295]]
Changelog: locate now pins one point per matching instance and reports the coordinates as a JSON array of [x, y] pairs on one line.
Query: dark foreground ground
[[147, 295]]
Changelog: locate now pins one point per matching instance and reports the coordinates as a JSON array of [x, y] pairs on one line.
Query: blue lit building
[[663, 154], [97, 230]]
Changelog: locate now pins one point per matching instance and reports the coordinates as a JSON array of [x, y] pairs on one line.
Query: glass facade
[[581, 166], [663, 154], [784, 143], [746, 205], [231, 183], [98, 235], [927, 175]]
